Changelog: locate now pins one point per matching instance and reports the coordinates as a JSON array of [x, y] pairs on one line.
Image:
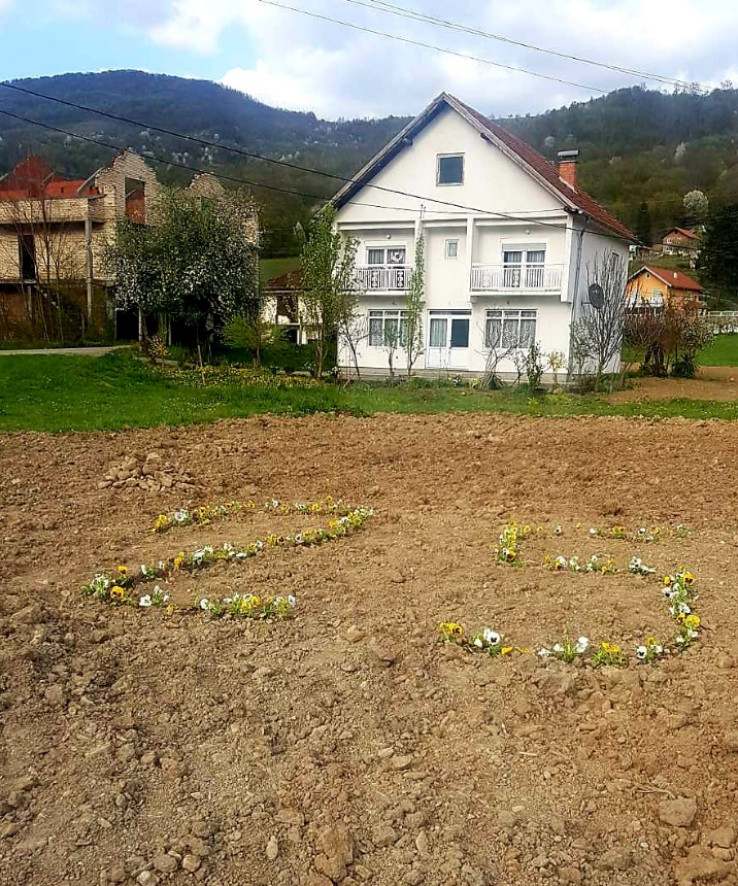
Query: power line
[[168, 162], [242, 152], [475, 58], [416, 15]]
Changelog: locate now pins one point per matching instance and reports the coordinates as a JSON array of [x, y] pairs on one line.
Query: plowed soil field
[[346, 745]]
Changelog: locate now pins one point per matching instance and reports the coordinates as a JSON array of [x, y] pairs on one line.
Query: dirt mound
[[345, 745]]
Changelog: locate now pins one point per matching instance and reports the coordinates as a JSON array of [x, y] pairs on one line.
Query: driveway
[[77, 352]]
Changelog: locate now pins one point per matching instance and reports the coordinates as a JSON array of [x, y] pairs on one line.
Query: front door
[[448, 340]]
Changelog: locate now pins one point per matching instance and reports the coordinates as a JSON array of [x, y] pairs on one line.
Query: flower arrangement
[[508, 549], [485, 640], [638, 567], [649, 650], [249, 606], [596, 563], [206, 514], [610, 654], [565, 650], [119, 587]]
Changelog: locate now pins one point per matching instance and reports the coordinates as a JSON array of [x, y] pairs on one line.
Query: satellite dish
[[596, 296]]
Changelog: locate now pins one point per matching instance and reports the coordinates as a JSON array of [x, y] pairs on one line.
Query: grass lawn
[[64, 393], [722, 351]]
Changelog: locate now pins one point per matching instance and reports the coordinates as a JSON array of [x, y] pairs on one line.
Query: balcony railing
[[378, 278], [509, 278]]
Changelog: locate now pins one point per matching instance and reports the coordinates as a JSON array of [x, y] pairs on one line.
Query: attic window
[[450, 169]]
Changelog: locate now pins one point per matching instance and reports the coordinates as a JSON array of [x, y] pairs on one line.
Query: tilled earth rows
[[344, 745]]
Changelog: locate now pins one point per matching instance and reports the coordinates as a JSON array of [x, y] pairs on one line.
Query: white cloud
[[296, 61]]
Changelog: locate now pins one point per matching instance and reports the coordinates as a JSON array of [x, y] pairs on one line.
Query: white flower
[[292, 600], [557, 647], [491, 637], [594, 531], [641, 652], [582, 645], [543, 652], [145, 601], [558, 530], [478, 642], [180, 516], [204, 604]]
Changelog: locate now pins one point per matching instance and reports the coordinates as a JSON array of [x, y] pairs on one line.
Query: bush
[[534, 366]]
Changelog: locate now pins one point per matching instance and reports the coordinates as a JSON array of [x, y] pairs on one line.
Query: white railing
[[723, 321], [504, 278], [378, 278]]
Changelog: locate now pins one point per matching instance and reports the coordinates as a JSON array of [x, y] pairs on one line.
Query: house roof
[[573, 198], [685, 232], [290, 281], [34, 178], [673, 279]]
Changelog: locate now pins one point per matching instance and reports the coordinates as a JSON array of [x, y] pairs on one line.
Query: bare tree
[[600, 327]]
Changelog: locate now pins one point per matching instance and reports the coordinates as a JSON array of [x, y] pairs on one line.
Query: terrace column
[[468, 256]]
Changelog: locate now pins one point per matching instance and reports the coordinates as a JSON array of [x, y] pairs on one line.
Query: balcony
[[383, 278], [517, 279]]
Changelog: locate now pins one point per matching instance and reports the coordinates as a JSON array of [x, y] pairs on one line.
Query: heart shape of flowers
[[121, 586]]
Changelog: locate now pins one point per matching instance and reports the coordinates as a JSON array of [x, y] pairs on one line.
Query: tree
[[196, 262], [330, 298], [414, 303], [696, 205], [718, 259], [643, 226], [599, 331], [254, 334]]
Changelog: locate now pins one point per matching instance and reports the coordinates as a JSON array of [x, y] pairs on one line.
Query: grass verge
[[69, 393]]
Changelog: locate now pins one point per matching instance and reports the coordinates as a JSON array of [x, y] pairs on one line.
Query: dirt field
[[712, 383], [345, 745]]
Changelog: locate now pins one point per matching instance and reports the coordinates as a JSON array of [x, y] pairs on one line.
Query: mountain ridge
[[637, 145]]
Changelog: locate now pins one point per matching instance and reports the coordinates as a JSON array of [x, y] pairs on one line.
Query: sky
[[291, 60]]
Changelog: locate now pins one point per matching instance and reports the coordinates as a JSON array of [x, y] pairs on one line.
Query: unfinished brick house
[[53, 231], [54, 283]]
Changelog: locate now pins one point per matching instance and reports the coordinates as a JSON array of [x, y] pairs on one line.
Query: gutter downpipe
[[575, 301]]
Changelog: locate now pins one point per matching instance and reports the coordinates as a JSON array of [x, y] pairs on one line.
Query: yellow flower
[[178, 560], [610, 648], [161, 523], [668, 580], [692, 621], [451, 630], [651, 641], [506, 650], [121, 569], [688, 577], [118, 592]]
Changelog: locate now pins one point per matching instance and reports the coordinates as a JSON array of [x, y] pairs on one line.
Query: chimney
[[567, 166]]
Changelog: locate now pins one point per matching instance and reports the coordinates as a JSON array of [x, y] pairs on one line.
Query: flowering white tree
[[196, 262]]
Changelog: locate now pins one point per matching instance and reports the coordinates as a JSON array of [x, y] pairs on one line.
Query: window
[[391, 256], [459, 332], [450, 170], [523, 267], [387, 328], [510, 329], [452, 248]]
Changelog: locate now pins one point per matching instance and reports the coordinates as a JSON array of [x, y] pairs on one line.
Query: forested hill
[[636, 145]]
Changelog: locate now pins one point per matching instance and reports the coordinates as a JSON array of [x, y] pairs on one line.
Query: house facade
[[655, 287], [685, 242], [54, 232], [510, 242]]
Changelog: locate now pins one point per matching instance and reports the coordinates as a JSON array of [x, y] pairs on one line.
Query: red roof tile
[[549, 172], [672, 278]]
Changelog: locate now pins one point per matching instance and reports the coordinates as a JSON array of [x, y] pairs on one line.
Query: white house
[[509, 239]]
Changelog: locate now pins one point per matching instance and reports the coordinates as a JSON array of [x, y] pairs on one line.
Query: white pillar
[[469, 254]]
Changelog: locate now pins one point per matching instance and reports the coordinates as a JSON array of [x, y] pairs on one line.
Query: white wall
[[492, 181]]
